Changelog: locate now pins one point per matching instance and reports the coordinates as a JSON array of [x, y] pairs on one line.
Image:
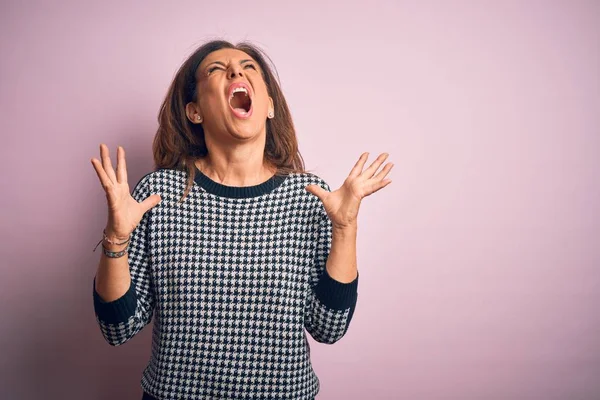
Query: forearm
[[123, 300], [341, 263], [112, 277], [335, 293]]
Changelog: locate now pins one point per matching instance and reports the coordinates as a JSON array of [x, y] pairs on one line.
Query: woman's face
[[232, 96]]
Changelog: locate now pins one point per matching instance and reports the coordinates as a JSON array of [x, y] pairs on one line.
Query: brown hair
[[178, 142]]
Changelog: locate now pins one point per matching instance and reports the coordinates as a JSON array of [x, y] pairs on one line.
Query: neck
[[236, 167]]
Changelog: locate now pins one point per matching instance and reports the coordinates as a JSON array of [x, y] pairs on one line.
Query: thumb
[[317, 191], [150, 202]]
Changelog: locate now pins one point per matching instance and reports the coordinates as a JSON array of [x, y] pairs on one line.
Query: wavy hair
[[178, 142]]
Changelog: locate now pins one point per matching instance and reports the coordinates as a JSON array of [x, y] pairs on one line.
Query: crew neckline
[[237, 192]]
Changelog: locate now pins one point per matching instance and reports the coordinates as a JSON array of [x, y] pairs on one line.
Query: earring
[[199, 118], [271, 114]]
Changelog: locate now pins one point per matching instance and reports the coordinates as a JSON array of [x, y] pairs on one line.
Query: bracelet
[[104, 237], [111, 242], [113, 254]]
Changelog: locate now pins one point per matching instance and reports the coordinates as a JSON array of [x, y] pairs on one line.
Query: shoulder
[[297, 183], [304, 179], [161, 181]]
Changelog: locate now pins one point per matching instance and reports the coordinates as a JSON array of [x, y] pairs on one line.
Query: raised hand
[[124, 212], [342, 204]]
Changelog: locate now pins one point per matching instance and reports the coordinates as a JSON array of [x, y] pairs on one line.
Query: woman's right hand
[[124, 212]]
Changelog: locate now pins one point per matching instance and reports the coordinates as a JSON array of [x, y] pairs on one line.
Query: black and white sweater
[[233, 276]]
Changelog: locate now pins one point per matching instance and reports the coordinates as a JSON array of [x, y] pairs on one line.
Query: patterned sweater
[[233, 277]]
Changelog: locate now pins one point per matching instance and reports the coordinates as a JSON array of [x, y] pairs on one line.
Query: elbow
[[115, 341], [331, 339], [115, 336], [327, 338]]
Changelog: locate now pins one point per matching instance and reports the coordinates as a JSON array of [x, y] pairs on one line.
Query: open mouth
[[240, 101]]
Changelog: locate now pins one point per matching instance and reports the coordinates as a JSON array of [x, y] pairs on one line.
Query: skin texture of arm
[[342, 207], [112, 276], [341, 263]]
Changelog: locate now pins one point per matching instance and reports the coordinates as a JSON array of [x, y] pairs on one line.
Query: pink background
[[479, 264]]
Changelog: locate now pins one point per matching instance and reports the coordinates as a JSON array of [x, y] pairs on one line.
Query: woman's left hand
[[342, 204]]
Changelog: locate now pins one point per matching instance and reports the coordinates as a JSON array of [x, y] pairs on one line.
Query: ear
[[193, 113], [271, 110]]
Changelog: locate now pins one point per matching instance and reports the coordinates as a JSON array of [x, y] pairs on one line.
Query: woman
[[230, 244]]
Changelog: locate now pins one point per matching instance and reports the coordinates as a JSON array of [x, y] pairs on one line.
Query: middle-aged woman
[[230, 244]]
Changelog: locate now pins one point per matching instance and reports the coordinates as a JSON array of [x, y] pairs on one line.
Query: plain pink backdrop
[[480, 262]]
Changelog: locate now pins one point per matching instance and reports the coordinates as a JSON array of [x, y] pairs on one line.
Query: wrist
[[114, 247], [114, 236], [345, 229], [114, 242]]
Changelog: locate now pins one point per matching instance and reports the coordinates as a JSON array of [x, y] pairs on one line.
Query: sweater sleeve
[[330, 303], [121, 319]]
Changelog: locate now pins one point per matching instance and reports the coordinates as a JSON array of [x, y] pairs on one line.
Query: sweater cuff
[[116, 311], [334, 294]]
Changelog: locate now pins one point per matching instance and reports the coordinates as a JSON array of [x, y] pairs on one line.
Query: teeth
[[238, 89]]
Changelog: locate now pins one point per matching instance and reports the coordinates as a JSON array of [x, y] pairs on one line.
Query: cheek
[[211, 104], [210, 97], [263, 99]]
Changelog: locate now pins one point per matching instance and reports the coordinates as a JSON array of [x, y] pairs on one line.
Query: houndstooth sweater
[[232, 276]]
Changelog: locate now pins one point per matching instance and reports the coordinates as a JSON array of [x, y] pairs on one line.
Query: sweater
[[234, 278]]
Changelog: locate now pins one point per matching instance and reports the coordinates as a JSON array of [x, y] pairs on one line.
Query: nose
[[235, 71]]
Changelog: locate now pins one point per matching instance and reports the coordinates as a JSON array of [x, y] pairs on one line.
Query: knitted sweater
[[233, 277]]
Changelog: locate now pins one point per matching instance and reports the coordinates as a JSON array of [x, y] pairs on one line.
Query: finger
[[121, 165], [107, 164], [369, 172], [384, 171], [357, 169], [380, 185], [150, 202], [104, 179]]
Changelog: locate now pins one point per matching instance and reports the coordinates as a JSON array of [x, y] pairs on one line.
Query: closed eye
[[250, 65], [211, 69]]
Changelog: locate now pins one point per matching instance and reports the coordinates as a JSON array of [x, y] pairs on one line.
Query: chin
[[247, 131]]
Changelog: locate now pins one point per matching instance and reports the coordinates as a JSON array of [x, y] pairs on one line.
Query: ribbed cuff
[[119, 310], [334, 294]]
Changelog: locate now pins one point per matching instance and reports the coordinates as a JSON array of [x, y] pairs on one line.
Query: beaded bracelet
[[113, 254]]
